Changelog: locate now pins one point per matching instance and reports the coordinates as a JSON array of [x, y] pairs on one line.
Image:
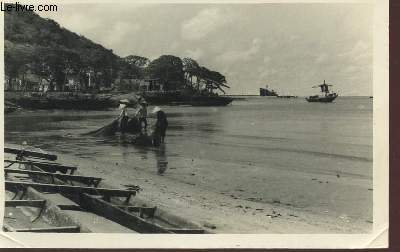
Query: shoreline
[[218, 173], [215, 212]]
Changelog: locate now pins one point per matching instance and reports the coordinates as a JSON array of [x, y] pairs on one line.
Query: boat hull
[[68, 202], [324, 99], [266, 92]]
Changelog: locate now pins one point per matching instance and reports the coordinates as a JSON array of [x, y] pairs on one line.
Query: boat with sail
[[326, 97]]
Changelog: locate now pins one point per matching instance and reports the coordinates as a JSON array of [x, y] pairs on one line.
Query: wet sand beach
[[234, 209], [257, 166]]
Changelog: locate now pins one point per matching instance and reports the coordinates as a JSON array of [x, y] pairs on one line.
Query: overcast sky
[[290, 47]]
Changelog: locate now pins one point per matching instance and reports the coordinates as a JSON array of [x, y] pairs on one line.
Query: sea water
[[313, 156]]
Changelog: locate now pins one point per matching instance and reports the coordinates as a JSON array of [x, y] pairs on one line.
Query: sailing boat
[[326, 96]]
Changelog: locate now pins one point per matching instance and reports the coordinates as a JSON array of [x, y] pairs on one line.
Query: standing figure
[[161, 125], [141, 114], [123, 105]]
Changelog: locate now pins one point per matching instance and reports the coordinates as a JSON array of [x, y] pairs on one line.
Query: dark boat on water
[[326, 96], [266, 92]]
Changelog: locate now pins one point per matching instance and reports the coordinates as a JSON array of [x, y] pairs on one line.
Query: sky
[[290, 47]]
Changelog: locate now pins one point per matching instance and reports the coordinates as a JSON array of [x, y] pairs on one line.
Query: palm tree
[[191, 69]]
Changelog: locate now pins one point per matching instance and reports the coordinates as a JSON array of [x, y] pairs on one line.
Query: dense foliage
[[38, 46]]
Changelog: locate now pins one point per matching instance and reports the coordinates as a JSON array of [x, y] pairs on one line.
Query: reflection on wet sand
[[143, 151], [162, 163]]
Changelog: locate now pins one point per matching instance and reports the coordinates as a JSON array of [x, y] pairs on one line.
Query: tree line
[[102, 69], [41, 47]]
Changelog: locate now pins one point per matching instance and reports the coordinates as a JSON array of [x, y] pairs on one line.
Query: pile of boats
[[179, 98], [43, 195]]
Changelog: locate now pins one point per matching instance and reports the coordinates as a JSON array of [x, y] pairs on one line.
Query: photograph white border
[[378, 238]]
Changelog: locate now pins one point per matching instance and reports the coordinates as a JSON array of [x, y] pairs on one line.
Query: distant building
[[73, 83], [27, 82], [149, 85], [44, 85]]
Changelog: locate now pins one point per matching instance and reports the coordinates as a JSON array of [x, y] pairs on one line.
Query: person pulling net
[[123, 123], [157, 135]]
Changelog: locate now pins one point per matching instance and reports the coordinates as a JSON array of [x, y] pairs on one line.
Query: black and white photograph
[[195, 119]]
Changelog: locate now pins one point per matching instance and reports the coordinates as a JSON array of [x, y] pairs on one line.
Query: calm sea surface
[[266, 146]]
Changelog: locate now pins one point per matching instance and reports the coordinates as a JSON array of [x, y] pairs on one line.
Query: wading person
[[161, 125], [123, 105], [141, 114]]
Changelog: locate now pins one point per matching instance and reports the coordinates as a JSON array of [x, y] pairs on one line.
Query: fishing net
[[107, 130], [131, 125]]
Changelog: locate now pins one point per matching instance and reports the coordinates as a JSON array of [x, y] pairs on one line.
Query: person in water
[[161, 125], [141, 114], [123, 105]]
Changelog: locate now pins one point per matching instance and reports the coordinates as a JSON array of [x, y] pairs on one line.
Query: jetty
[[43, 195]]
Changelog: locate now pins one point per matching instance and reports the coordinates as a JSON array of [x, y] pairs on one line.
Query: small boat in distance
[[266, 92], [326, 97]]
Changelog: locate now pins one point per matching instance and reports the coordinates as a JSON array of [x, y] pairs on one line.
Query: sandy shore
[[223, 211]]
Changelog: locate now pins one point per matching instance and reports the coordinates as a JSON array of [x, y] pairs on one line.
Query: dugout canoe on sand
[[45, 196]]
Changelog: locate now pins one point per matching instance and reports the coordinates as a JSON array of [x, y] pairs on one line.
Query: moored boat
[[326, 99], [267, 92], [326, 96]]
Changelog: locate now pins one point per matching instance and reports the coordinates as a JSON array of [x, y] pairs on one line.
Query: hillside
[[40, 55], [42, 46]]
